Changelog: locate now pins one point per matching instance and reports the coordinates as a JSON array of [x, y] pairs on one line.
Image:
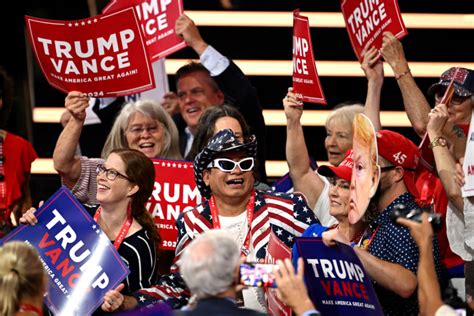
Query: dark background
[[237, 43]]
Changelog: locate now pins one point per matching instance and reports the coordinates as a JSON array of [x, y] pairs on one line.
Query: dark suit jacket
[[240, 93], [216, 307]]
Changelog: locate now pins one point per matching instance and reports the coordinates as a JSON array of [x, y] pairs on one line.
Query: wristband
[[398, 76]]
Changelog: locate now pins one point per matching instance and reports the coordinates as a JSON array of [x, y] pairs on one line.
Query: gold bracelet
[[398, 76]]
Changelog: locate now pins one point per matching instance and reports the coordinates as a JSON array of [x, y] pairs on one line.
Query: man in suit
[[213, 81], [210, 268]]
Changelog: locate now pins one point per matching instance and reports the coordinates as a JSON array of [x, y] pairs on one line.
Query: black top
[[139, 253]]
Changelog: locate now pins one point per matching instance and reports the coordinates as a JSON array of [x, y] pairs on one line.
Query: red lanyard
[[31, 308], [217, 223], [123, 230]]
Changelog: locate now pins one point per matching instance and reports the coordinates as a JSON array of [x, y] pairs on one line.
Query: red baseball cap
[[343, 171], [400, 151]]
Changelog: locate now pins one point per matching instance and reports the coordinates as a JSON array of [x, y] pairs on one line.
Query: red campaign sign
[[305, 77], [175, 192], [157, 19], [366, 20], [277, 250], [103, 56]]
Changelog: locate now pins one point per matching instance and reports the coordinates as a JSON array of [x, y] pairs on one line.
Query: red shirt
[[19, 154]]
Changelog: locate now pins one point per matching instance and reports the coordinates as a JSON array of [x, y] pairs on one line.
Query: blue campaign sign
[[81, 262], [336, 279]]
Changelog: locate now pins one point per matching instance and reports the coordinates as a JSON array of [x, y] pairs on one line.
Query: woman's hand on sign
[[29, 217], [76, 103], [372, 65], [113, 299], [293, 106], [331, 236], [392, 52]]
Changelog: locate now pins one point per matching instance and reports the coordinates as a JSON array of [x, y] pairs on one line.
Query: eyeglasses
[[455, 100], [228, 165], [110, 174], [138, 130]]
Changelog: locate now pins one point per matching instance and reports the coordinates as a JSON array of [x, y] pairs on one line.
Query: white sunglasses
[[228, 165]]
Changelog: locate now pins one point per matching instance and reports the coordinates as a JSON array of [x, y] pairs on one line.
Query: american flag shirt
[[287, 215]]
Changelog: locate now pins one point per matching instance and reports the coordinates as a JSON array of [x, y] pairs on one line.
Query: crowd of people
[[215, 120]]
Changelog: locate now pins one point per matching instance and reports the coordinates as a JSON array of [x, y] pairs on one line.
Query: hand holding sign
[[102, 56], [76, 103], [372, 65], [113, 299], [290, 286], [157, 19], [79, 260], [187, 30], [293, 106], [367, 20], [29, 217], [437, 119], [392, 52]]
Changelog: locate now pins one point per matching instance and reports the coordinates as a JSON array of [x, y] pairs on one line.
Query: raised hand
[[76, 103]]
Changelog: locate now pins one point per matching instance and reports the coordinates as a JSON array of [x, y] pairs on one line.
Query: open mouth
[[192, 110], [332, 153], [146, 145], [235, 182], [101, 186]]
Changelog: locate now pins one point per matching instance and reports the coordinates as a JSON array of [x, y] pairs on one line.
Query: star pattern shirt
[[393, 243], [286, 215]]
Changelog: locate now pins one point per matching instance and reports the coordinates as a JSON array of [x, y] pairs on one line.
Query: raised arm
[[304, 179], [237, 89], [416, 105], [445, 162], [188, 31], [429, 295], [373, 68], [65, 162]]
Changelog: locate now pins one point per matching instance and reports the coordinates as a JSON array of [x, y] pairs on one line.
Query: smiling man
[[224, 175], [211, 82]]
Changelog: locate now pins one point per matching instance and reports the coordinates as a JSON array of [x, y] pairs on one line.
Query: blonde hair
[[21, 275], [152, 109], [364, 131], [345, 115]]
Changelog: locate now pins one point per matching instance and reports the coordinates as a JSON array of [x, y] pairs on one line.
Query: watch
[[438, 141]]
